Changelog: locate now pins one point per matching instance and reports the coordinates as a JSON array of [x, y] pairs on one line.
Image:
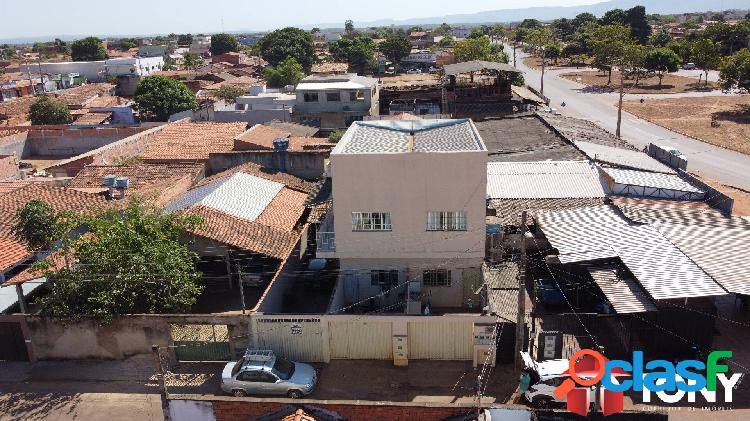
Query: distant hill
[[549, 13]]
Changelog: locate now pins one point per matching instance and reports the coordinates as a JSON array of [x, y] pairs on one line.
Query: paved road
[[728, 167]]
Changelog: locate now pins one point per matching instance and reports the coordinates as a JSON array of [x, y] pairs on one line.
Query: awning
[[624, 294]]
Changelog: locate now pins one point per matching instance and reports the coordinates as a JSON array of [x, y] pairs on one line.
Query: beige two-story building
[[408, 217]]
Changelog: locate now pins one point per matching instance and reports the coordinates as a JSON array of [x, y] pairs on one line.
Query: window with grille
[[446, 221], [333, 96], [371, 221], [385, 278], [436, 278], [311, 97]]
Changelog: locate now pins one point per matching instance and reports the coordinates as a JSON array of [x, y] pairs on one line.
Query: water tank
[[281, 144], [109, 180], [122, 182]]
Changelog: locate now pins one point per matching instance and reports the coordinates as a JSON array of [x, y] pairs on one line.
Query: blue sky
[[53, 17]]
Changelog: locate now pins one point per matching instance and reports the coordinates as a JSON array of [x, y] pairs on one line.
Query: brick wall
[[242, 409]]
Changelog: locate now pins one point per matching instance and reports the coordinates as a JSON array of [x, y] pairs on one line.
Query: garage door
[[361, 340], [299, 339], [435, 339]]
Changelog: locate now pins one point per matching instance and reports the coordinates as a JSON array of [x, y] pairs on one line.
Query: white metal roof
[[393, 136], [593, 233], [622, 157], [543, 180], [242, 195], [651, 179], [625, 295]]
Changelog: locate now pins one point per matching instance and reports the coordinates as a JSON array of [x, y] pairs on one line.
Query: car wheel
[[239, 393], [542, 402], [294, 394]]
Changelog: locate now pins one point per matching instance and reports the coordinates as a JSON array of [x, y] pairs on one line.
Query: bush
[[158, 97], [46, 110]]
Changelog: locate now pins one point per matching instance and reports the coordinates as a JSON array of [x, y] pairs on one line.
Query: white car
[[689, 66], [674, 151], [545, 377], [413, 72]]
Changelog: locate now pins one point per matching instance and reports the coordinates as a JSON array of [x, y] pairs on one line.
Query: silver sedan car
[[263, 373]]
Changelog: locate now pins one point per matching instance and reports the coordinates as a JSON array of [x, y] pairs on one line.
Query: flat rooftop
[[524, 139], [392, 136]]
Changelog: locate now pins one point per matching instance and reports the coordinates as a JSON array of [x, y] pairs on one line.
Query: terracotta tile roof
[[59, 198], [92, 119], [79, 96], [261, 137], [284, 210], [244, 234], [57, 262], [11, 252], [288, 180], [191, 142], [160, 182], [16, 107], [243, 82], [13, 185]]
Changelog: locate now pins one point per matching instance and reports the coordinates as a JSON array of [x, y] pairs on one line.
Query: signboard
[[296, 329]]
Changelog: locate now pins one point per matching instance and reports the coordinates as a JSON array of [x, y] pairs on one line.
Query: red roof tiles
[[191, 142]]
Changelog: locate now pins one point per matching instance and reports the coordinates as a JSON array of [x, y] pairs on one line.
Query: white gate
[[436, 339], [361, 340], [302, 339]]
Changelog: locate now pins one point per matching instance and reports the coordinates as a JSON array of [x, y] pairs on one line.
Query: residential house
[[421, 39], [460, 33], [334, 102], [191, 142], [232, 57], [408, 214]]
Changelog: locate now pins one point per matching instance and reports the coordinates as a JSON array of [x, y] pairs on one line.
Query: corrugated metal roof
[[651, 179], [622, 157], [593, 233], [478, 65], [241, 195], [543, 180], [625, 295], [509, 211]]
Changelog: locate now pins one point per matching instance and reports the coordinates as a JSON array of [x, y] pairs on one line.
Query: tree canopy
[[37, 225], [185, 39], [288, 42], [229, 93], [661, 61], [289, 72], [608, 44], [477, 49], [394, 48], [706, 54], [735, 71], [46, 110], [223, 43], [88, 49], [129, 261], [359, 52], [158, 97]]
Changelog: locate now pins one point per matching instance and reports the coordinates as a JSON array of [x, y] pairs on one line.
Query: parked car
[[433, 69], [261, 372], [674, 151], [413, 72], [689, 66], [545, 377]]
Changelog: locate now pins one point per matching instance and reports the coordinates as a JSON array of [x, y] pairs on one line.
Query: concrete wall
[[345, 105], [408, 185], [307, 165], [14, 144], [253, 116], [91, 70]]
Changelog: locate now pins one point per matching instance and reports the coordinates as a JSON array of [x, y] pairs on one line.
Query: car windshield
[[283, 368]]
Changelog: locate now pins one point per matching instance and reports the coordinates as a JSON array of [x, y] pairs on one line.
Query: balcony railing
[[326, 241]]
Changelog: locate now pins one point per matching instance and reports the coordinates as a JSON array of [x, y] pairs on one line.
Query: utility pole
[[479, 396], [160, 375], [41, 75], [31, 82], [242, 288], [520, 331]]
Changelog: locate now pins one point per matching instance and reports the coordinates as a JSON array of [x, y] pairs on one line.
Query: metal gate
[[441, 340], [299, 339], [12, 343], [201, 342], [361, 340]]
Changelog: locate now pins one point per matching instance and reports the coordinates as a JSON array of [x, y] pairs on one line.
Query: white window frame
[[371, 221], [446, 221], [432, 278]]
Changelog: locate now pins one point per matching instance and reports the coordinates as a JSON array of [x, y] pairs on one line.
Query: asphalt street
[[725, 166]]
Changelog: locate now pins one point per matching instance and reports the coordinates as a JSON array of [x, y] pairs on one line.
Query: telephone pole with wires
[[520, 330]]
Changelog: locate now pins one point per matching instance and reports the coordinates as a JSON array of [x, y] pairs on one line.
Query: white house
[[334, 102]]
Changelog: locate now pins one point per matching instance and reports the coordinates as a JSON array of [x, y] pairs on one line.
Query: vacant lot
[[670, 85], [693, 116]]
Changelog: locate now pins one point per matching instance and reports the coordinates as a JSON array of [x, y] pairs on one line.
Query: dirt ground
[[693, 116], [671, 84], [741, 197]]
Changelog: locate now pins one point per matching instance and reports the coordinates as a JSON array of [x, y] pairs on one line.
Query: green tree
[[185, 39], [288, 42], [614, 17], [158, 97], [553, 51], [608, 43], [349, 26], [447, 41], [706, 54], [681, 48], [661, 61], [129, 261], [473, 49], [538, 39], [394, 48], [88, 49], [36, 225], [229, 93], [46, 110], [661, 39], [223, 43], [289, 72], [530, 24], [443, 29], [638, 21], [564, 28], [336, 135], [583, 19], [735, 71], [191, 60], [359, 52]]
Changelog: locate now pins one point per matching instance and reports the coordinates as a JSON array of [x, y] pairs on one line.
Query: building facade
[[334, 102]]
